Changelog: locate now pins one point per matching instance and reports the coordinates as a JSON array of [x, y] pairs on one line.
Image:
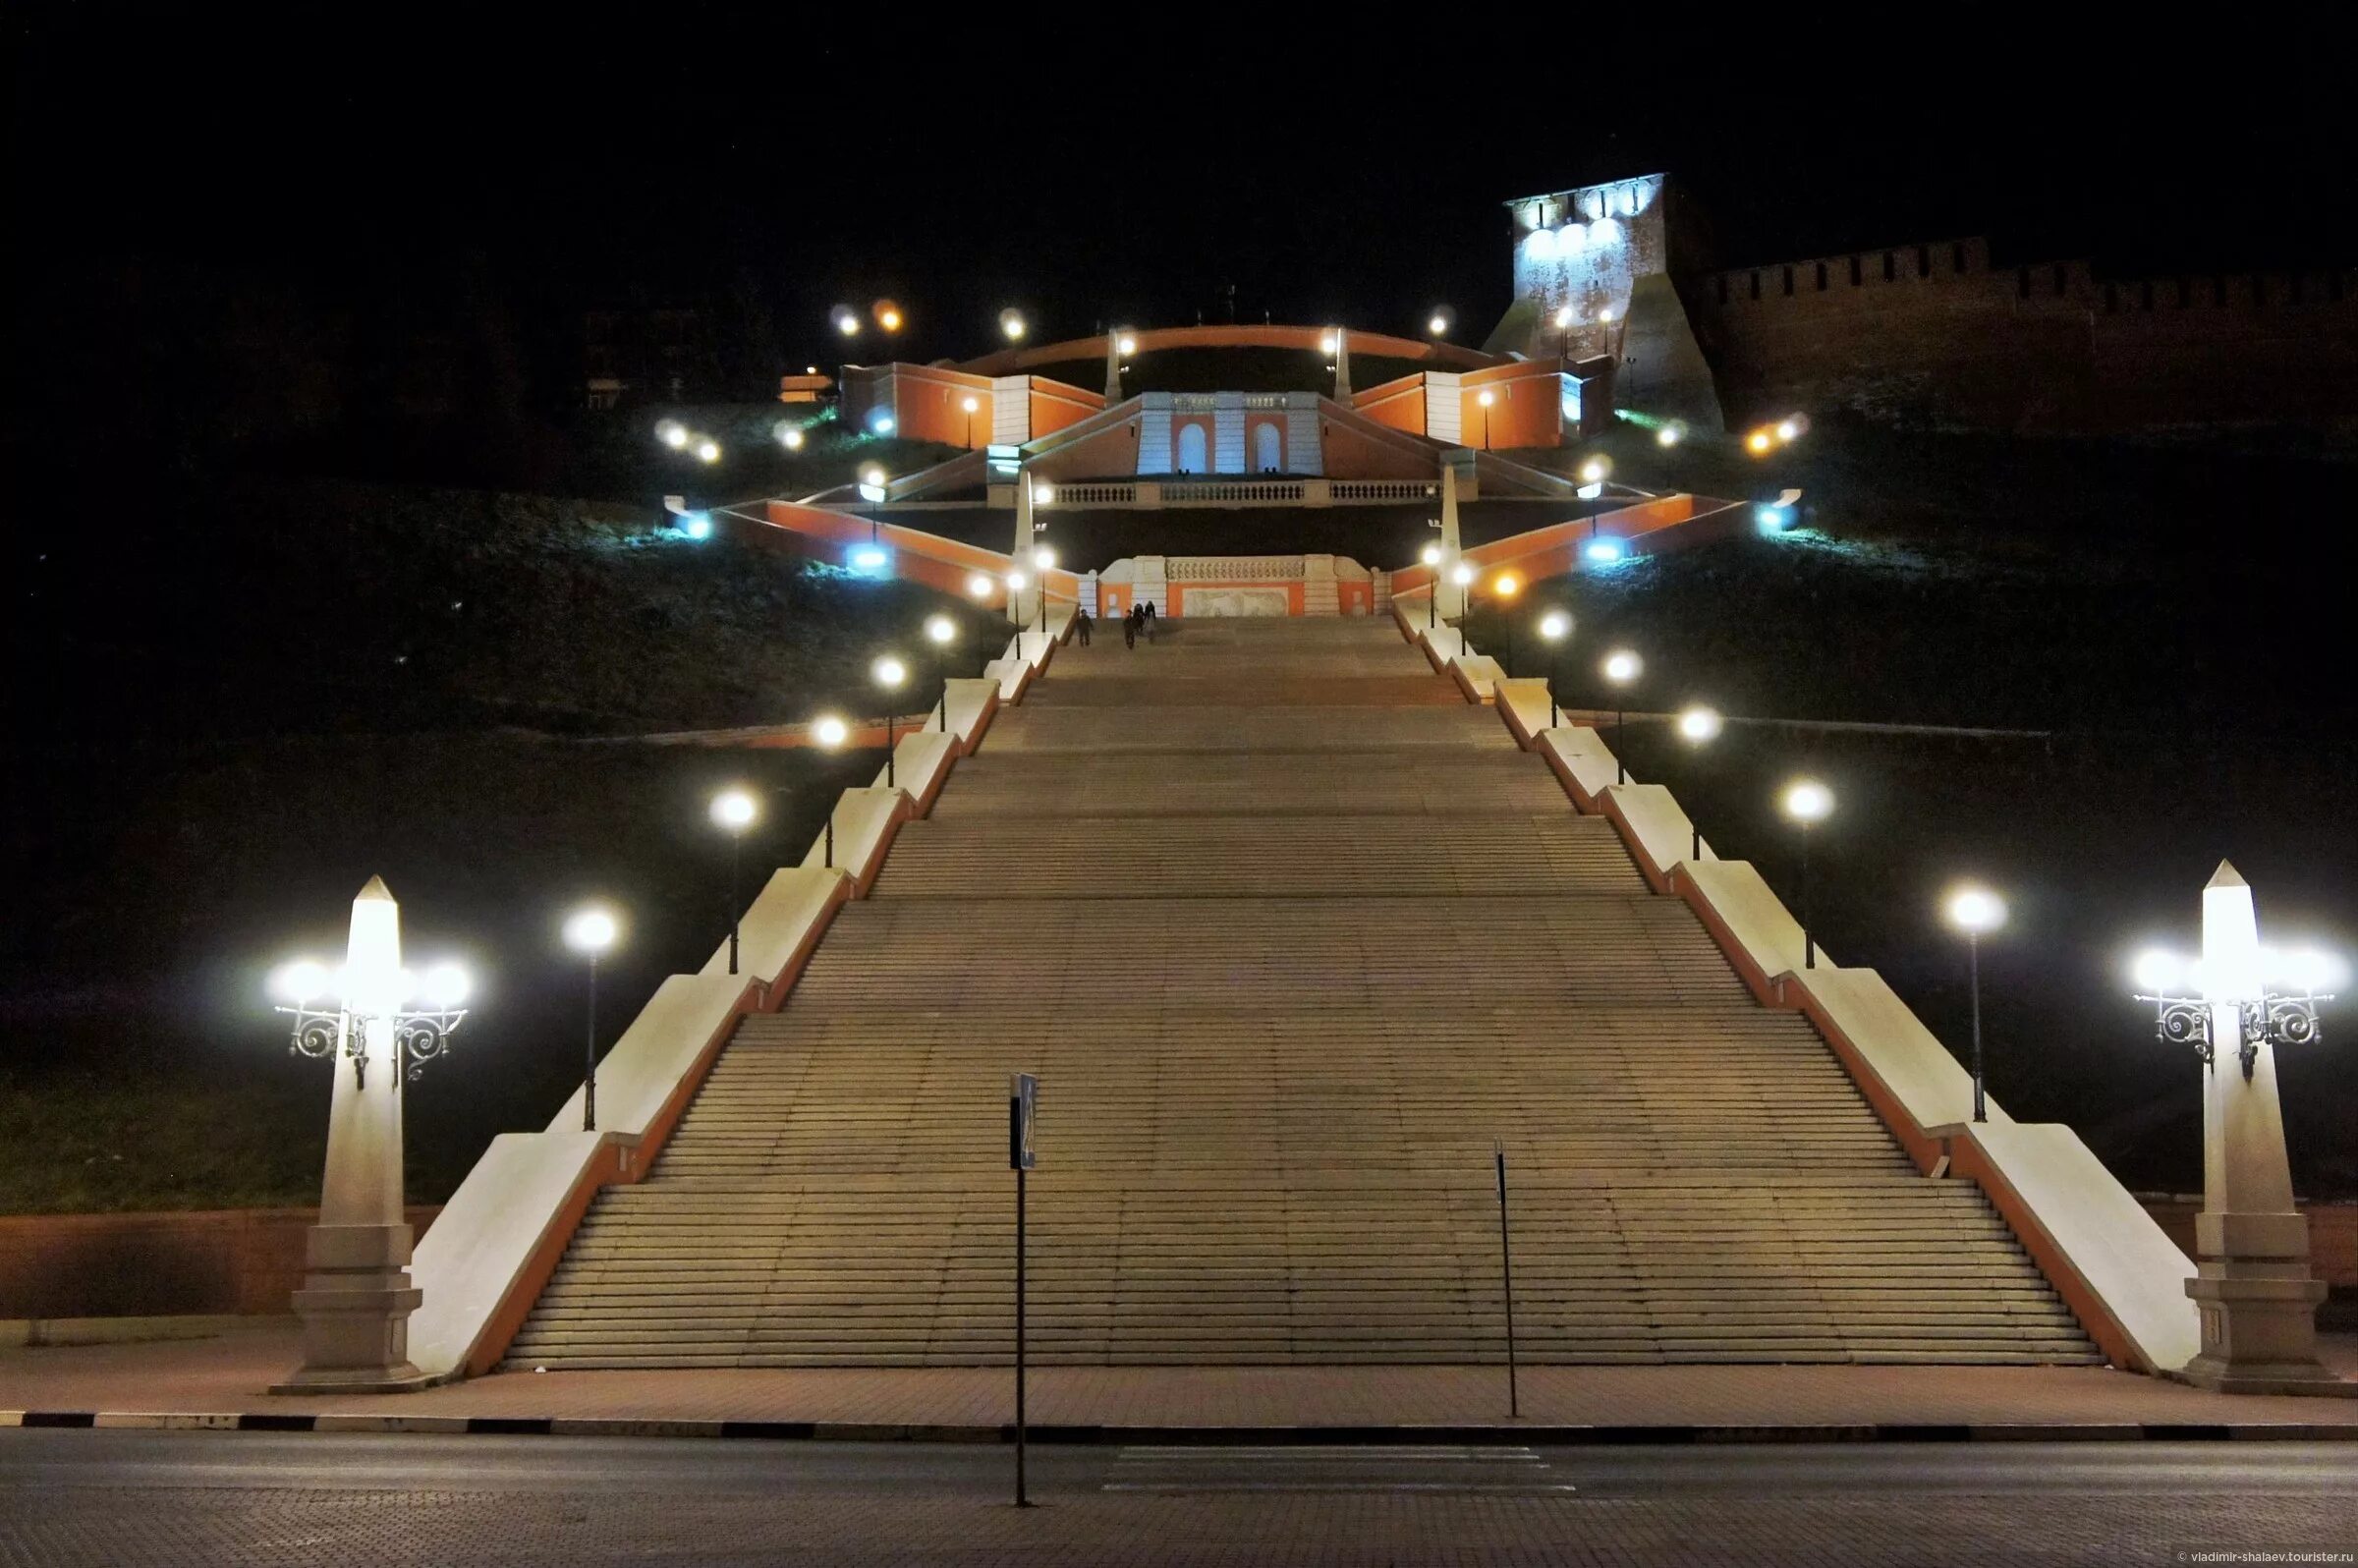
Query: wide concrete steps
[[1056, 787], [1244, 688], [1240, 857], [1046, 727], [840, 1271], [1106, 968]]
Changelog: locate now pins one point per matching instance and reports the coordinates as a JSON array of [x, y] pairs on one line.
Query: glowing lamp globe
[[1555, 626], [1975, 909], [889, 316], [1437, 326], [846, 320], [1506, 585], [708, 450], [1621, 666], [672, 433], [1043, 557], [733, 809], [790, 436], [590, 930], [2161, 973], [443, 985], [888, 672], [1127, 344], [301, 983], [1668, 435], [1042, 494], [969, 405], [1593, 471], [1606, 314], [1566, 316], [1326, 344], [1431, 555], [831, 732], [1807, 801], [941, 630], [872, 474], [1016, 581], [1758, 442], [1462, 574], [1700, 724], [1787, 430], [1012, 325], [978, 585], [1485, 397]]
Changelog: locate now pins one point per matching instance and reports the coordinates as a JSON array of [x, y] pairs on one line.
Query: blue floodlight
[[880, 422], [1605, 550], [696, 525], [868, 558], [1772, 519]]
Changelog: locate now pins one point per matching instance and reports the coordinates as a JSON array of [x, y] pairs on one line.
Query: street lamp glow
[[1976, 910], [708, 450], [1669, 436], [1621, 666], [846, 320], [1605, 315], [979, 585], [1807, 801], [969, 405], [733, 809], [1787, 430], [1484, 397], [1566, 316], [1016, 581], [302, 981], [1506, 585], [1698, 724], [444, 986], [1555, 626], [1012, 325], [873, 475], [1043, 557], [672, 433], [889, 316], [2159, 971], [830, 731], [590, 930], [1431, 555], [790, 436], [1127, 344], [941, 630], [1462, 574], [1326, 344], [888, 672], [1437, 324], [1758, 442], [1042, 494], [1593, 470]]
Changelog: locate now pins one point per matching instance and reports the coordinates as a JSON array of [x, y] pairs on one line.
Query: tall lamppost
[[1555, 627], [733, 811], [356, 1296], [941, 631], [1016, 582], [2253, 1289], [1461, 576], [1483, 400], [1044, 558], [1699, 726], [1974, 909], [1808, 803], [979, 586], [1566, 318], [1592, 489], [1504, 587], [830, 732], [971, 405], [1621, 669], [1432, 555], [888, 672], [590, 931]]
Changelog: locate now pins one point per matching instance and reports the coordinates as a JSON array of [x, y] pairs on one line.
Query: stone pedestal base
[[2259, 1335], [354, 1306]]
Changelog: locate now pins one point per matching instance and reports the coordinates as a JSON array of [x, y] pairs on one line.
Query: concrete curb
[[1204, 1437]]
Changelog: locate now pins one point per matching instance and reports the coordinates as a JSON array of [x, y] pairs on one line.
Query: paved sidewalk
[[228, 1375]]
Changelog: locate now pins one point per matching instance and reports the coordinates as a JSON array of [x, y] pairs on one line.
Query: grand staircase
[[1290, 934]]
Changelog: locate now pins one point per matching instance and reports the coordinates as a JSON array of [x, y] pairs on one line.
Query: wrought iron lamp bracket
[[2276, 1019]]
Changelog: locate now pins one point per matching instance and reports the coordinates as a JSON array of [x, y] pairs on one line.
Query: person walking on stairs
[[1146, 619], [1130, 627], [1081, 626]]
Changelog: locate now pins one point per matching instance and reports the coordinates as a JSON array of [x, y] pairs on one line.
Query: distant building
[[663, 354]]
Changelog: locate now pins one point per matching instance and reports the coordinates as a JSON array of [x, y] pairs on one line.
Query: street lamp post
[[1484, 399], [1461, 576], [1621, 667], [1807, 802], [888, 672], [1698, 726], [970, 404], [831, 732], [1043, 558], [1555, 627], [1973, 911], [941, 631], [734, 811], [356, 1296], [1565, 320], [2255, 1294], [1506, 586], [589, 933], [1432, 555]]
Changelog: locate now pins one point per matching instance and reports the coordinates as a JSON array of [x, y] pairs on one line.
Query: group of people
[[1137, 622]]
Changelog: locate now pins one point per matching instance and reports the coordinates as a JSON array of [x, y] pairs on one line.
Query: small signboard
[[1023, 1105]]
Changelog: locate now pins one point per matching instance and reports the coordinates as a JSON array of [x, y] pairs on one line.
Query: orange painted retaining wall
[[185, 1264], [1442, 355]]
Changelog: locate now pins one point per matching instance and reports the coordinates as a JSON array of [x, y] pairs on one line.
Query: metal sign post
[[1022, 1104], [1506, 1268]]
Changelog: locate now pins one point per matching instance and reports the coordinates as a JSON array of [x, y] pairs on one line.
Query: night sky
[[1095, 171]]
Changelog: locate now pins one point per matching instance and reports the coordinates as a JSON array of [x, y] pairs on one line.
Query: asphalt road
[[136, 1497]]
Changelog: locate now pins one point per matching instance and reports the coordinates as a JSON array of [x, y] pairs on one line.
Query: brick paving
[[303, 1529], [230, 1374]]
